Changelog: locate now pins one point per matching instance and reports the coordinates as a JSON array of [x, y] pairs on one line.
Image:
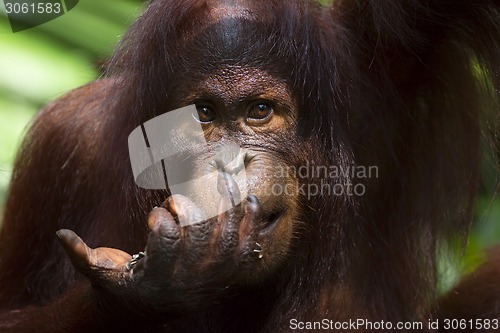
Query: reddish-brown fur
[[387, 83]]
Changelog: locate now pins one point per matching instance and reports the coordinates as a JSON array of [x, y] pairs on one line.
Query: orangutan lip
[[273, 219]]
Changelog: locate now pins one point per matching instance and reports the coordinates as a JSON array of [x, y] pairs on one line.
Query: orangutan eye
[[260, 113], [205, 114]]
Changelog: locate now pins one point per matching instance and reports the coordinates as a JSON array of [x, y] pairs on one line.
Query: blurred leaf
[[40, 64]]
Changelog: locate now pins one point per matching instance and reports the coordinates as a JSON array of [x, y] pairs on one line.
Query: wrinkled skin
[[243, 245], [358, 83]]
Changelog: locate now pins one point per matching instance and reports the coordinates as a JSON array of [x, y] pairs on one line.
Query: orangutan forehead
[[219, 9], [238, 82], [231, 10]]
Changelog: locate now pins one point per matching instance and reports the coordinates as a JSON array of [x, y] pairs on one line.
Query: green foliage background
[[40, 64]]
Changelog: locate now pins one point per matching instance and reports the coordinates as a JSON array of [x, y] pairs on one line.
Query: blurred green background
[[40, 64]]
